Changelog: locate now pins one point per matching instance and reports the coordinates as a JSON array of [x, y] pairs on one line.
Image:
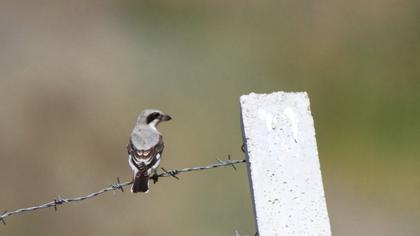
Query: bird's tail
[[141, 183]]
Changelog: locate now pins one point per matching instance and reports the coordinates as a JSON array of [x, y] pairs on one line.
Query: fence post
[[284, 171]]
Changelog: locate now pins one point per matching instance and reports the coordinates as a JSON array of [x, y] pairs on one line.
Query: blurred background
[[75, 74]]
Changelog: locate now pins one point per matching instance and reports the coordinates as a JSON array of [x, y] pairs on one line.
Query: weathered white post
[[284, 170]]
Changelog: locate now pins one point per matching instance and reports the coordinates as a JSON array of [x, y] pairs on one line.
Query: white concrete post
[[284, 170]]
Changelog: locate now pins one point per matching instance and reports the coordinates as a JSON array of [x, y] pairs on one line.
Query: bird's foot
[[155, 177]]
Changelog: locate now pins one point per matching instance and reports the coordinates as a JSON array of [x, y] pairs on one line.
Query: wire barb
[[118, 185], [3, 215], [58, 201], [233, 166], [166, 173], [227, 162], [172, 173]]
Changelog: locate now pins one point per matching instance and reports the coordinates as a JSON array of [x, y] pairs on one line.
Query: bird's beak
[[166, 118]]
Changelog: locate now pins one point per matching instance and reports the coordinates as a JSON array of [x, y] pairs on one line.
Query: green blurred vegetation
[[74, 75]]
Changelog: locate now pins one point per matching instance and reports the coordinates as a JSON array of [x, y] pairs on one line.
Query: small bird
[[145, 147]]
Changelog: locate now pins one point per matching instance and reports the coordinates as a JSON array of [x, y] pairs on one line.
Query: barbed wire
[[119, 186]]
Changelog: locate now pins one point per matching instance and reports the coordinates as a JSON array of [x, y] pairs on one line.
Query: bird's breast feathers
[[145, 139]]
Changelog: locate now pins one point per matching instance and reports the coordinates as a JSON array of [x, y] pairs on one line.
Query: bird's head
[[152, 117]]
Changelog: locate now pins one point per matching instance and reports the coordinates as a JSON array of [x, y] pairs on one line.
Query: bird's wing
[[145, 158]]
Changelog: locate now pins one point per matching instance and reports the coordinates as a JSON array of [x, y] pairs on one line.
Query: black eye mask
[[152, 117]]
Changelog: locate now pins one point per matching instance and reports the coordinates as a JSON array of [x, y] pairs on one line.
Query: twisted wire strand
[[118, 186]]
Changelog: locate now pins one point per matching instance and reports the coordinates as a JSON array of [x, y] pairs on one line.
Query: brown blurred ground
[[74, 75]]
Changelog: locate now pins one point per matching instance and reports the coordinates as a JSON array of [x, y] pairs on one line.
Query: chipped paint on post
[[284, 169]]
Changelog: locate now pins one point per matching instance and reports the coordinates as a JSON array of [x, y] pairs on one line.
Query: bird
[[145, 147]]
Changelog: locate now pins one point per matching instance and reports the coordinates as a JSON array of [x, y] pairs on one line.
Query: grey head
[[145, 135], [152, 117]]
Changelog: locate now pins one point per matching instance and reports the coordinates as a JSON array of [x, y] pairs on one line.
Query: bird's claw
[[155, 178]]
